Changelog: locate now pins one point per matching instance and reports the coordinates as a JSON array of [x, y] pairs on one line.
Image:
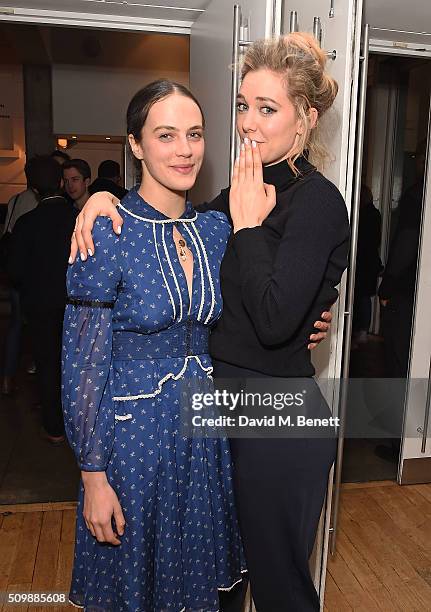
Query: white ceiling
[[183, 10], [406, 15]]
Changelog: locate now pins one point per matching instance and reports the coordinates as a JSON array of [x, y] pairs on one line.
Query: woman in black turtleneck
[[284, 259]]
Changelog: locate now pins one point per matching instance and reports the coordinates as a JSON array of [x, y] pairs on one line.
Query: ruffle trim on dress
[[161, 382], [243, 571]]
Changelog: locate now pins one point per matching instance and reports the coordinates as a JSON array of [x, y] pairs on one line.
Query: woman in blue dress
[[156, 524]]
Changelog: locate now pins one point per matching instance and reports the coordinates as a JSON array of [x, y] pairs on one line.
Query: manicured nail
[[246, 141], [83, 258], [90, 252], [119, 229], [70, 260], [242, 146], [253, 144]]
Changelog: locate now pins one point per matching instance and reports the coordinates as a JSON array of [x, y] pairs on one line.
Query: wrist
[[93, 479], [239, 226]]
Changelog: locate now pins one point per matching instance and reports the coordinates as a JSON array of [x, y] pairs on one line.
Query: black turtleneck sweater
[[276, 279]]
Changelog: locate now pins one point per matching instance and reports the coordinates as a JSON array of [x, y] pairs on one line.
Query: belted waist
[[186, 339]]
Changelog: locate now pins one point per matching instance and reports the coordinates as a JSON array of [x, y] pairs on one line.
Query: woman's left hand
[[251, 200], [323, 326]]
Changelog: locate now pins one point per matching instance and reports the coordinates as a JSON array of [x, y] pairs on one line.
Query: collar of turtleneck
[[281, 176]]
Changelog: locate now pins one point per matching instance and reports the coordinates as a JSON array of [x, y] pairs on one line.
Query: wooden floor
[[383, 560], [36, 551]]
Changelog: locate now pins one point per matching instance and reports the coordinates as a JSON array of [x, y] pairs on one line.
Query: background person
[[39, 273], [397, 294], [18, 205], [108, 179], [368, 265], [60, 156], [77, 177]]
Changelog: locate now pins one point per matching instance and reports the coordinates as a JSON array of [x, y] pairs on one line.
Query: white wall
[[93, 100], [12, 178]]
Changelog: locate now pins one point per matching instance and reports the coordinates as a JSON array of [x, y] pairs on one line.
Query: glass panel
[[389, 232]]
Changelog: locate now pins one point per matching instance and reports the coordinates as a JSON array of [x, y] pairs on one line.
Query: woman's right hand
[[100, 503], [99, 204]]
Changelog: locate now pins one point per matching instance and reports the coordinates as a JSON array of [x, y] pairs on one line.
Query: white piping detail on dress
[[173, 273], [75, 605], [201, 269], [163, 273], [210, 278], [229, 588], [162, 381], [123, 417], [158, 220]]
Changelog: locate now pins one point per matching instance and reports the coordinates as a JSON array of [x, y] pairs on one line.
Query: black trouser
[[396, 322], [280, 486], [46, 328], [396, 327]]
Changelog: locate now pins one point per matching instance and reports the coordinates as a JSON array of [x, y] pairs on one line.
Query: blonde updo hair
[[300, 60]]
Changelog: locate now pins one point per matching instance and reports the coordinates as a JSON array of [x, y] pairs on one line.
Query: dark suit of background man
[[397, 290], [108, 179], [37, 265], [397, 295]]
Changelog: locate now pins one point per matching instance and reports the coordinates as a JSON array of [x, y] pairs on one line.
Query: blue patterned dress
[[130, 338]]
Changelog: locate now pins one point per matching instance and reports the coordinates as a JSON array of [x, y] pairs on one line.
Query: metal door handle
[[317, 29], [332, 10], [293, 21], [234, 83]]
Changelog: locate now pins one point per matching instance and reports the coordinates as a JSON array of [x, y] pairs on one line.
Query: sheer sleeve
[[87, 351]]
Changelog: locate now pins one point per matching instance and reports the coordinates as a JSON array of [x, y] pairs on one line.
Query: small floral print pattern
[[123, 368]]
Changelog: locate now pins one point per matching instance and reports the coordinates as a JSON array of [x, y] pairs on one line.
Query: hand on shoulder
[[102, 203]]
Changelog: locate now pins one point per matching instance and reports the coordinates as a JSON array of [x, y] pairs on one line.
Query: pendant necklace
[[183, 252]]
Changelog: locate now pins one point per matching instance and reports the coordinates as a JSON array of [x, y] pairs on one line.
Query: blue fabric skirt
[[181, 541]]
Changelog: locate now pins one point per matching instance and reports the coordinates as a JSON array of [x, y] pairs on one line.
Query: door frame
[[388, 47]]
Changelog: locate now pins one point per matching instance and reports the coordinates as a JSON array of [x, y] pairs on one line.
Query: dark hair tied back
[[143, 100]]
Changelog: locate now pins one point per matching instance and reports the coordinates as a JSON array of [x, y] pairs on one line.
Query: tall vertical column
[[39, 137]]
